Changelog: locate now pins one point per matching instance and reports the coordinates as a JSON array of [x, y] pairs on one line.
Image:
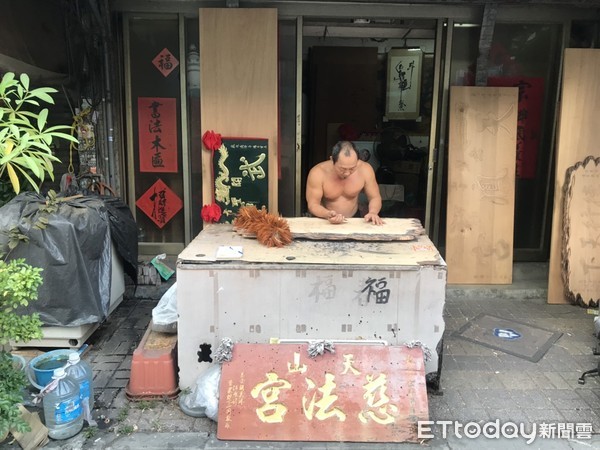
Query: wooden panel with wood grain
[[238, 83], [356, 229], [352, 229], [578, 137], [481, 184]]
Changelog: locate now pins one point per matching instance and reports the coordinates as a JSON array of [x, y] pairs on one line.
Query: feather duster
[[269, 229], [273, 231]]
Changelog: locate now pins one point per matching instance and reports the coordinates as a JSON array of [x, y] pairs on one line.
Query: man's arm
[[372, 192], [314, 197]]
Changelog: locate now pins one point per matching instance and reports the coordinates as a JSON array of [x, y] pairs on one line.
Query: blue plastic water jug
[[82, 373], [62, 406]]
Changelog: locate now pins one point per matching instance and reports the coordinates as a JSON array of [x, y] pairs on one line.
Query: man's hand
[[336, 218], [374, 219]]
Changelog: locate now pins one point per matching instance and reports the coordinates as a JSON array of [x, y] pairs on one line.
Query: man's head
[[345, 158]]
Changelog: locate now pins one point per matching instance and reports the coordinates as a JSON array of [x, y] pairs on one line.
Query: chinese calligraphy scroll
[[240, 170], [359, 393], [157, 131]]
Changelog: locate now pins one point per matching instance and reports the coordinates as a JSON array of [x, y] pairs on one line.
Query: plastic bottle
[[62, 406], [82, 373]]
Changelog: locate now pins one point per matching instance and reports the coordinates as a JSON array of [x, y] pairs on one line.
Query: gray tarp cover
[[74, 252]]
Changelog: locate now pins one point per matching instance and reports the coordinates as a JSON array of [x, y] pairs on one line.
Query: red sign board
[[165, 62], [160, 203], [360, 393], [157, 131]]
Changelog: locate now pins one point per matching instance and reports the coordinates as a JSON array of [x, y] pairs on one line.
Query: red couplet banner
[[529, 121], [157, 131]]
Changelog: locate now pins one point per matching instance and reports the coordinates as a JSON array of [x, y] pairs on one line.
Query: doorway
[[346, 82]]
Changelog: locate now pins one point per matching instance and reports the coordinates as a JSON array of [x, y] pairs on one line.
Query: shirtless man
[[333, 186]]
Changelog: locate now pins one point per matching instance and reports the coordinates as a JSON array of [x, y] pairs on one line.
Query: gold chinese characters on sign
[[358, 393]]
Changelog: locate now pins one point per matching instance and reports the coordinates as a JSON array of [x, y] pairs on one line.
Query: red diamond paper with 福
[[360, 393], [159, 203], [165, 62]]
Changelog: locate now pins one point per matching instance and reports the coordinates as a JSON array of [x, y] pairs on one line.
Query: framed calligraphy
[[403, 84], [157, 131], [240, 169]]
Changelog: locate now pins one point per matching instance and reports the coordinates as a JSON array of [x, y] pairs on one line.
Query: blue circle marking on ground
[[506, 333]]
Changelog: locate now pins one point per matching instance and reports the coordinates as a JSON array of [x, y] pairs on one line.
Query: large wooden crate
[[391, 291]]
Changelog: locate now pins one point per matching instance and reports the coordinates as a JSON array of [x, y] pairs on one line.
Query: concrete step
[[530, 280]]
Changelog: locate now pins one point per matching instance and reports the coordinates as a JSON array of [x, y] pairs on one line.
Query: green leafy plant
[[126, 429], [25, 135], [19, 284], [123, 413], [146, 404], [90, 432], [26, 161]]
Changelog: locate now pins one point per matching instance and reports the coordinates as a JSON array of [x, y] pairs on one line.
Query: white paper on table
[[230, 251]]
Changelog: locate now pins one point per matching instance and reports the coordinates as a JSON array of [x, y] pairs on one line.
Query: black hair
[[343, 145]]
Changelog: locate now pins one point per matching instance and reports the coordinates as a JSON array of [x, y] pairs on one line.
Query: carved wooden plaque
[[581, 232], [358, 393]]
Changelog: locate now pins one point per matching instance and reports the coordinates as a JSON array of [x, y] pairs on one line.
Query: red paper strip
[[159, 203], [360, 393], [529, 121], [157, 125]]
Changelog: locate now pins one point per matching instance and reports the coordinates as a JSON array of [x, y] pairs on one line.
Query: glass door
[[526, 56]]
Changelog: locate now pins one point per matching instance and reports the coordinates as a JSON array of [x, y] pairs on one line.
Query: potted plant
[[26, 160]]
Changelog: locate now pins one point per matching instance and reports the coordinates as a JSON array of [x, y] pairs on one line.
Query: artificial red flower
[[211, 213], [211, 140]]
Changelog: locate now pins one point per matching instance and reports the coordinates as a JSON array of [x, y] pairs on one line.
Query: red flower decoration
[[211, 213], [211, 140]]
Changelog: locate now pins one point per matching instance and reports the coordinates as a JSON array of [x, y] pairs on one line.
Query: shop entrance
[[347, 84]]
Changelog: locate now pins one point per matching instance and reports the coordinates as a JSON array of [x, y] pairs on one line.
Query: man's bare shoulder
[[366, 168], [320, 169]]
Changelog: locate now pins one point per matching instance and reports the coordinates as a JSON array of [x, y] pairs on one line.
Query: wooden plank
[[355, 229], [204, 249], [238, 83], [359, 393], [481, 184], [578, 137], [581, 232]]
